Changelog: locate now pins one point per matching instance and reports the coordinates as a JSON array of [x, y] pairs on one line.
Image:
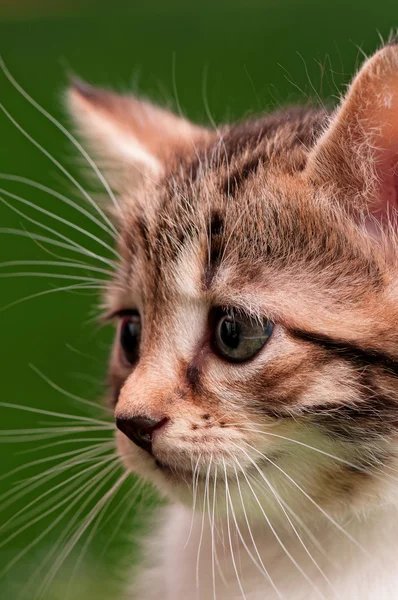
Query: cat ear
[[357, 156], [127, 133]]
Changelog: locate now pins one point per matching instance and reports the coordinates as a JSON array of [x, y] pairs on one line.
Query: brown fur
[[289, 217]]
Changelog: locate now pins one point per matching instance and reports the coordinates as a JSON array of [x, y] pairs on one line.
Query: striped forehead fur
[[270, 221]]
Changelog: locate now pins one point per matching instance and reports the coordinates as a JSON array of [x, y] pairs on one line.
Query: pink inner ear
[[384, 208], [384, 117]]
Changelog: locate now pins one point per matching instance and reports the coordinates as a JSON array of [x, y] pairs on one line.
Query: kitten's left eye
[[130, 337], [238, 338]]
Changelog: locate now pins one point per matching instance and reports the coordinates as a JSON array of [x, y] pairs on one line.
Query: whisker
[[241, 536], [310, 535], [262, 569], [278, 539], [66, 288], [72, 247], [60, 429], [137, 486], [36, 438], [213, 546], [14, 437], [50, 252], [28, 485], [328, 517], [194, 494], [61, 443], [20, 555], [40, 461], [324, 453], [56, 217], [67, 133], [202, 530], [51, 413], [50, 263], [83, 354], [51, 276], [59, 166], [77, 497], [66, 393], [38, 499], [227, 501], [71, 203], [72, 542], [99, 518], [116, 528], [56, 424], [276, 496], [39, 480], [71, 484]]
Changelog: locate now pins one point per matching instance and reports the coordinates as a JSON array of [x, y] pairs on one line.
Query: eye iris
[[238, 337], [130, 337]]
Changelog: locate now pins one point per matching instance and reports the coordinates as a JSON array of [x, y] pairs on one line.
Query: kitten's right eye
[[238, 337], [130, 337]]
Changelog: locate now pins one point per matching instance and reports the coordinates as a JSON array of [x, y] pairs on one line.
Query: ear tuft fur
[[393, 38], [128, 133], [83, 88]]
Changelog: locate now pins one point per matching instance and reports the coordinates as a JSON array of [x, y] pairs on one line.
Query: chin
[[173, 483]]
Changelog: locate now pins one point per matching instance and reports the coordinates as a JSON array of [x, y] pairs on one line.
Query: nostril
[[140, 430]]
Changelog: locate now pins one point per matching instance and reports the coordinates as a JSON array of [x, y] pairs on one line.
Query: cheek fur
[[241, 427]]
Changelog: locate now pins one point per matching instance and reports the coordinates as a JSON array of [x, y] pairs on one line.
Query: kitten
[[254, 370]]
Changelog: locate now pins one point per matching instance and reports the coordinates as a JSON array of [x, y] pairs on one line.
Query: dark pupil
[[130, 339], [230, 333]]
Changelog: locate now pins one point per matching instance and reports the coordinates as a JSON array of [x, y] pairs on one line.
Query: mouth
[[162, 466], [177, 473]]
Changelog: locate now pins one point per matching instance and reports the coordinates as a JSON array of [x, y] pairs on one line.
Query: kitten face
[[255, 310]]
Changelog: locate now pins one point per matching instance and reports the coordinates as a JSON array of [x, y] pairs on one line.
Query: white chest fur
[[221, 566]]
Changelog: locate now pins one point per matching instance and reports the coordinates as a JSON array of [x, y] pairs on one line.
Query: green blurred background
[[230, 58]]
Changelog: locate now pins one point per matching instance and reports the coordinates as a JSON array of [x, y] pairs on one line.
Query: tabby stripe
[[349, 351]]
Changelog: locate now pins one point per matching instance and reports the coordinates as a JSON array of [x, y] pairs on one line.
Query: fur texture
[[289, 458]]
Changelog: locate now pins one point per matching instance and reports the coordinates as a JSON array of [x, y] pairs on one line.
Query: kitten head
[[256, 294]]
